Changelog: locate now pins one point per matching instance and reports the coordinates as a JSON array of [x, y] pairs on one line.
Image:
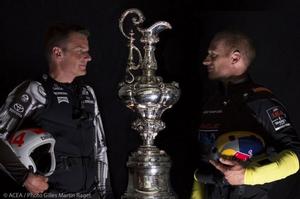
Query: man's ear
[[235, 56], [57, 52]]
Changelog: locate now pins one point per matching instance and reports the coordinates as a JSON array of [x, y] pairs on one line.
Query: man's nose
[[88, 57], [206, 61]]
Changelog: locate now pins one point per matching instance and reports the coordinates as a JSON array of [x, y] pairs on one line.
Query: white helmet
[[35, 149]]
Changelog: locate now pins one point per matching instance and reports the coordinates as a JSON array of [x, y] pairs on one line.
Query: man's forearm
[[12, 165]]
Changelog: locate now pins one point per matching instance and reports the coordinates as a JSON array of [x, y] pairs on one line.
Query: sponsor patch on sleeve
[[278, 118]]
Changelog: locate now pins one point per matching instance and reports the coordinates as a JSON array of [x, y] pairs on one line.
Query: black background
[[273, 25]]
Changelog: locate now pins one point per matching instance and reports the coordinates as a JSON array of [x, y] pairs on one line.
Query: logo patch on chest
[[278, 118], [57, 87], [84, 91], [219, 111], [63, 99]]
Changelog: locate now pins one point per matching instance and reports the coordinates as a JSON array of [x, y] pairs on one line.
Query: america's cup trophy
[[146, 94]]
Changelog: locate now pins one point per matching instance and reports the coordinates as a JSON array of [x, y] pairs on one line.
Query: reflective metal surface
[[147, 94]]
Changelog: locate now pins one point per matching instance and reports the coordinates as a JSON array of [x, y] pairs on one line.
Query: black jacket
[[242, 106], [70, 113], [69, 116]]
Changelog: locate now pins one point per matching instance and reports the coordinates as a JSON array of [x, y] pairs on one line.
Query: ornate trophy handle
[[135, 21], [131, 65]]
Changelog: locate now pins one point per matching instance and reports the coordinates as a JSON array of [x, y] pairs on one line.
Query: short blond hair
[[59, 33], [237, 40]]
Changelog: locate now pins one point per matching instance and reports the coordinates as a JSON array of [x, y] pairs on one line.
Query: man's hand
[[233, 170], [36, 184]]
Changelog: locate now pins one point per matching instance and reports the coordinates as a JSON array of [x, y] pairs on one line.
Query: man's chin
[[212, 77], [83, 73]]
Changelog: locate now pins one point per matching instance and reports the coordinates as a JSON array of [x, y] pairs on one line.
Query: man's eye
[[81, 51]]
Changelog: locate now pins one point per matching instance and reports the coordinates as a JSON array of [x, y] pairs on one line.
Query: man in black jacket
[[238, 118], [64, 106]]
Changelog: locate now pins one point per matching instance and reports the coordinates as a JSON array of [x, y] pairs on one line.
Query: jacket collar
[[236, 85]]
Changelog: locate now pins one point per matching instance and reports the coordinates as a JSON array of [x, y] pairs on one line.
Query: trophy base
[[149, 170], [146, 196]]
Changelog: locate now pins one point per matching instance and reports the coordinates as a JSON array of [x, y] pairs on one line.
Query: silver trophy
[[147, 94]]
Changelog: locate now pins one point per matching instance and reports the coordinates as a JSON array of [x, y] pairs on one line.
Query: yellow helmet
[[241, 145]]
